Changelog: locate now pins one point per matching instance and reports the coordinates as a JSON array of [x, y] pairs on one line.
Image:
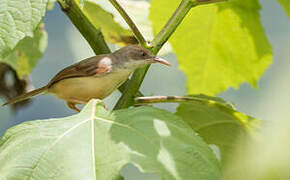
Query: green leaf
[[18, 20], [100, 18], [218, 123], [218, 46], [286, 6], [96, 144], [28, 51], [50, 4]]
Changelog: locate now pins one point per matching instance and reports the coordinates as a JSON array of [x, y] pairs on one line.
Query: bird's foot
[[72, 106]]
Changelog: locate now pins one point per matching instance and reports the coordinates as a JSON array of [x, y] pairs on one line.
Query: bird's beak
[[162, 61]]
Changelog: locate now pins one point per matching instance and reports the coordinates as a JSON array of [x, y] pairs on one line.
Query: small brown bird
[[95, 77]]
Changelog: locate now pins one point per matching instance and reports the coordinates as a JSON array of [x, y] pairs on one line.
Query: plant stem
[[130, 22], [93, 36], [209, 1], [170, 27], [177, 99]]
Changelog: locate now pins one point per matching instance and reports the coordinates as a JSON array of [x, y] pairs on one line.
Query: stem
[[209, 1], [170, 27], [127, 98], [93, 36], [130, 22], [176, 99]]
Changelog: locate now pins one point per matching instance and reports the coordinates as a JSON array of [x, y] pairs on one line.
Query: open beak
[[162, 61]]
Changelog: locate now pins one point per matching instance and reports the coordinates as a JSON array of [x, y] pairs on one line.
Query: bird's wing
[[93, 66]]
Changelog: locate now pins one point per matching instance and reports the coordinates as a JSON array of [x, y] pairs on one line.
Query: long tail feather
[[25, 96]]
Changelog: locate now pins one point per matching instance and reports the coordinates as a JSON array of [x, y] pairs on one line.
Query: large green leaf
[[18, 19], [218, 46], [28, 51], [96, 144], [286, 6], [218, 123]]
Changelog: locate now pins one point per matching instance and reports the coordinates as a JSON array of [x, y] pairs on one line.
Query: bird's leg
[[104, 106], [72, 106]]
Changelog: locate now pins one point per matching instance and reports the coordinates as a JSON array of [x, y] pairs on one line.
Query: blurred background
[[270, 102]]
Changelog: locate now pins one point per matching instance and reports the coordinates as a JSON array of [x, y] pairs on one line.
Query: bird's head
[[135, 56]]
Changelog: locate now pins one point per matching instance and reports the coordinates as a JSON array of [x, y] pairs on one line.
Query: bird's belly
[[86, 88]]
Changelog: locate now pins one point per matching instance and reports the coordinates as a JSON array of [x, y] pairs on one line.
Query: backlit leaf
[[218, 123], [286, 6], [218, 46]]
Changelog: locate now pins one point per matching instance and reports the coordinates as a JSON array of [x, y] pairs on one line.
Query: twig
[[178, 99]]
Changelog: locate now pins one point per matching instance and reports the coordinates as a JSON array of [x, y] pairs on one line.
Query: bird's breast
[[86, 88]]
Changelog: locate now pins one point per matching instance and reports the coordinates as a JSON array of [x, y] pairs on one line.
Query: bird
[[95, 77]]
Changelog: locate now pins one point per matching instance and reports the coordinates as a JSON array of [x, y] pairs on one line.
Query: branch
[[130, 22], [170, 27], [176, 99], [93, 36], [127, 98]]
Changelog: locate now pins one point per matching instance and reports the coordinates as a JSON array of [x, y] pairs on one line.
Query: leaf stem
[[130, 22], [177, 99]]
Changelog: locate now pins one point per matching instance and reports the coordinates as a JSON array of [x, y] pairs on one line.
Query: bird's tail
[[25, 96]]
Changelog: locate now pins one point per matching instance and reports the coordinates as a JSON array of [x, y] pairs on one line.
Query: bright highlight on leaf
[[218, 46], [218, 123], [28, 51], [96, 144]]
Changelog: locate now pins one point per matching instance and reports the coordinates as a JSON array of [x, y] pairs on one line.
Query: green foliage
[[218, 46], [96, 144], [218, 123], [286, 6], [50, 4], [18, 20], [100, 18], [25, 55]]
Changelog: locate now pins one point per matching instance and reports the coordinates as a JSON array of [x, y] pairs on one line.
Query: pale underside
[[80, 90]]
